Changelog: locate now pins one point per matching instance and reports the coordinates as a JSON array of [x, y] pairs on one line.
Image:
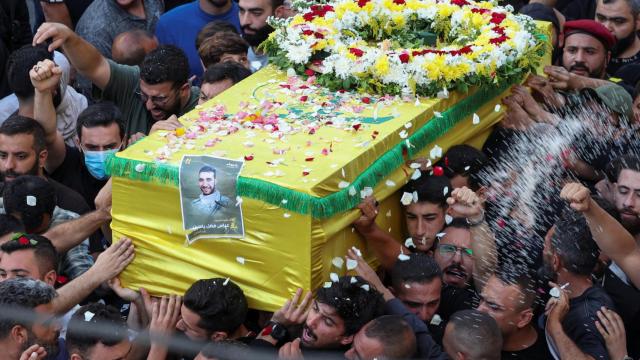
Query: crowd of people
[[528, 248]]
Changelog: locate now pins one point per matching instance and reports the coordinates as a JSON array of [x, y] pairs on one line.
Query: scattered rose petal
[[88, 315], [343, 184], [406, 199], [408, 125], [390, 183], [496, 108], [409, 243], [476, 119], [436, 320], [403, 257], [327, 284], [436, 152], [352, 191], [365, 287], [353, 280], [403, 134], [351, 264], [287, 215], [337, 262], [334, 277], [240, 259], [31, 200], [445, 191], [414, 196], [438, 171], [437, 114], [140, 168], [415, 165], [248, 157], [448, 219], [416, 174]]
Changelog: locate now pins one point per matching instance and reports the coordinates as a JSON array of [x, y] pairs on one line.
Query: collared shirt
[[122, 89]]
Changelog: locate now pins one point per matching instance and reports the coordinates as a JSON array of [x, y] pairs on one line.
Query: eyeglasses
[[158, 100], [448, 250]]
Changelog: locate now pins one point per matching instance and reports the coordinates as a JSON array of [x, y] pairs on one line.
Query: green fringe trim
[[339, 201]]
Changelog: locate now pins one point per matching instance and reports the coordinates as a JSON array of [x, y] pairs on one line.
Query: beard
[[11, 173], [52, 349], [171, 110], [546, 274], [623, 44], [259, 36]]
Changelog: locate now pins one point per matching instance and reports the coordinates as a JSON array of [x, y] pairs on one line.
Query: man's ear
[[51, 277], [524, 318], [482, 193], [280, 12], [42, 158], [346, 340], [219, 336], [19, 334], [557, 263]]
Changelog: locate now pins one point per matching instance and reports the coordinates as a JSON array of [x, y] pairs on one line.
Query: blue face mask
[[96, 162]]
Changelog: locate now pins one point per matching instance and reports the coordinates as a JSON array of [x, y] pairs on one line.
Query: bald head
[[130, 47]]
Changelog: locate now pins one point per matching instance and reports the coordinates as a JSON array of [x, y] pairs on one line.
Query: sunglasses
[[448, 250]]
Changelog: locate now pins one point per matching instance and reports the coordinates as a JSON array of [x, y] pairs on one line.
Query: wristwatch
[[275, 330]]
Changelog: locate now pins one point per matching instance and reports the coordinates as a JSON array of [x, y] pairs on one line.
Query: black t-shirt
[[66, 198], [538, 351], [453, 299], [74, 174], [627, 300], [616, 64], [580, 322]]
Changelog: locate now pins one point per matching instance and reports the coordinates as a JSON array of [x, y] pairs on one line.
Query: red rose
[[318, 35], [404, 58], [309, 16], [366, 100], [356, 127], [248, 157], [499, 40], [398, 2], [438, 171], [61, 279], [304, 98], [23, 240], [309, 72], [307, 32], [496, 18], [357, 52], [460, 3], [362, 3]]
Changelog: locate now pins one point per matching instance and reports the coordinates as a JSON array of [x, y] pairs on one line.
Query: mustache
[[579, 66], [309, 331], [456, 268]]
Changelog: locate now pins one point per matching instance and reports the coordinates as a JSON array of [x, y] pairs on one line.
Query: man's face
[[207, 182], [584, 55], [364, 348], [454, 257], [324, 328], [617, 17], [239, 58], [209, 90], [101, 138], [188, 324], [219, 3], [547, 271], [627, 199], [161, 100], [118, 351], [253, 20], [45, 330], [503, 303], [448, 342], [20, 264], [18, 157], [424, 221], [422, 299]]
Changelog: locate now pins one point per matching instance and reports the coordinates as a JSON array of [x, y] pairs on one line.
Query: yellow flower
[[445, 10], [382, 65], [476, 20], [297, 20]]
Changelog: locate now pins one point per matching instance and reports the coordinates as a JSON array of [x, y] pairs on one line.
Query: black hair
[[418, 268], [394, 334], [80, 339], [464, 160], [625, 162], [458, 223], [29, 198], [44, 251], [469, 326], [574, 244], [633, 4], [19, 295], [430, 189], [103, 113], [19, 64], [212, 28], [354, 303], [219, 302], [165, 63], [9, 224], [19, 125], [208, 168], [222, 71]]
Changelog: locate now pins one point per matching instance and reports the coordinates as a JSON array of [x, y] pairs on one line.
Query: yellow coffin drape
[[282, 249]]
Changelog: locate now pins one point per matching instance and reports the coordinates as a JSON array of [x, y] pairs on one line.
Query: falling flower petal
[[388, 214], [240, 259], [496, 108], [445, 191], [416, 174], [390, 183], [437, 114], [415, 165], [352, 191], [403, 134], [287, 215], [334, 277], [448, 219], [365, 287], [406, 199], [476, 119], [343, 184], [337, 262], [140, 167], [403, 257], [351, 264], [327, 284], [409, 243], [436, 152]]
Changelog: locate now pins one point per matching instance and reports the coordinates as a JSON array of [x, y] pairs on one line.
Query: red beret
[[590, 27]]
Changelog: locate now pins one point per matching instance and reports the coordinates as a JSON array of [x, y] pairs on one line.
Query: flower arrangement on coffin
[[406, 47]]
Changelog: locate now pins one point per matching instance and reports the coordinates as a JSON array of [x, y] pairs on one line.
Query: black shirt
[[74, 174], [580, 322], [453, 299], [66, 198], [537, 351], [616, 64], [627, 300]]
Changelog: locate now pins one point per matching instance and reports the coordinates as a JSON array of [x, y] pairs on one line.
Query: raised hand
[[123, 293], [34, 352], [557, 307], [56, 32], [465, 203], [45, 75], [611, 328], [165, 315], [291, 351], [292, 313], [113, 260], [577, 195]]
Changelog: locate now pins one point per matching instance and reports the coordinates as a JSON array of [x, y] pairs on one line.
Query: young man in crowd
[[253, 21], [385, 337], [620, 17], [30, 256], [223, 47], [147, 95], [181, 26], [131, 47], [100, 133], [510, 298], [219, 78]]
